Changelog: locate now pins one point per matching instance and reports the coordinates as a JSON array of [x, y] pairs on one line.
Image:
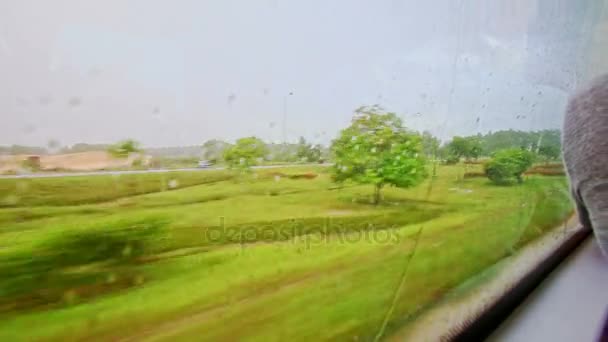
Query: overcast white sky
[[181, 72]]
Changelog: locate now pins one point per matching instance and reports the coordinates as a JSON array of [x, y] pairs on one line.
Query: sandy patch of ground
[[83, 161]]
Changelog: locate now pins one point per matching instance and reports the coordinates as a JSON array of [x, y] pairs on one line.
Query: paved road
[[101, 173]]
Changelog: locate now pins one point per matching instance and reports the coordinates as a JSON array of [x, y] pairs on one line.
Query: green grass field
[[208, 256]]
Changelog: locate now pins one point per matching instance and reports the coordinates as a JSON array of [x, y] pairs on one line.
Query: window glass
[[280, 170]]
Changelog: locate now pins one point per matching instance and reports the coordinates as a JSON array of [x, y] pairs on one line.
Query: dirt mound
[[10, 164], [82, 161]]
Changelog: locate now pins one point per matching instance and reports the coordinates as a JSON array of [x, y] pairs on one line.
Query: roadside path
[[105, 173]]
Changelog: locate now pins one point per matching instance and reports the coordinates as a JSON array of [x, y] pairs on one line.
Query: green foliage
[[547, 143], [60, 191], [509, 165], [549, 153], [123, 243], [122, 149], [451, 159], [307, 152], [48, 275], [196, 276], [534, 141], [246, 153], [377, 149], [465, 147], [213, 150]]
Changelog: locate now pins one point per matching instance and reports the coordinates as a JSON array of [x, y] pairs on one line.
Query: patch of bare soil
[[84, 161]]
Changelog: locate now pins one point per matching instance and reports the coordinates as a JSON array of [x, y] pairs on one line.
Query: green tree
[[307, 152], [213, 150], [316, 154], [549, 153], [508, 165], [123, 148], [377, 149], [245, 153], [465, 147]]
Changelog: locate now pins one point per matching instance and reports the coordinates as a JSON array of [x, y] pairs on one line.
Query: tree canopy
[[465, 147], [549, 152], [549, 140], [377, 149], [508, 165], [213, 150], [307, 152], [245, 153], [545, 143]]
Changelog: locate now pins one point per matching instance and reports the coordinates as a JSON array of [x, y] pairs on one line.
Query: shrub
[[451, 160], [85, 263], [508, 166], [473, 175], [118, 246]]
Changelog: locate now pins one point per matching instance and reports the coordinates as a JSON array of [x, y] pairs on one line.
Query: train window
[[280, 170]]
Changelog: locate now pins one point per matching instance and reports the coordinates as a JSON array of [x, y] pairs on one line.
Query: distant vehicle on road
[[203, 164]]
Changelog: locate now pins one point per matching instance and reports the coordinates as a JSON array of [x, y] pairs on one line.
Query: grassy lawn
[[267, 257]]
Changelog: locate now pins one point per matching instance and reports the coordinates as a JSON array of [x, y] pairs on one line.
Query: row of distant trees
[[217, 151], [545, 143], [377, 149]]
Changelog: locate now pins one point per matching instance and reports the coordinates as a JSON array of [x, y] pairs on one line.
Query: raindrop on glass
[[231, 99], [74, 101]]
